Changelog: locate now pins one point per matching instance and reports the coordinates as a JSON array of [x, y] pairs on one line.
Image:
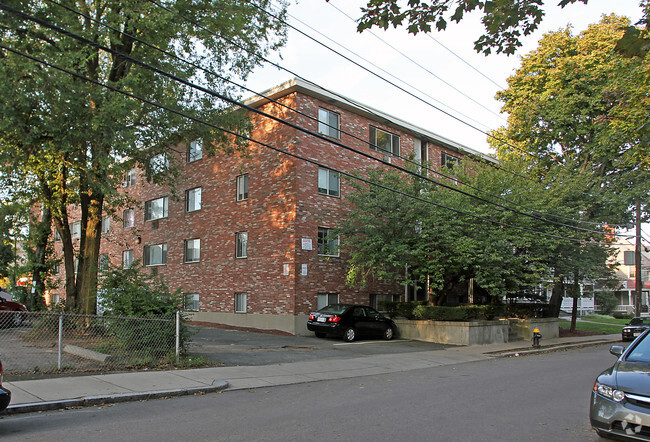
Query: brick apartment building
[[247, 236]]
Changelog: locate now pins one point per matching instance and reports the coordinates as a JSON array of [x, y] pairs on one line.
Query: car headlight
[[609, 392]]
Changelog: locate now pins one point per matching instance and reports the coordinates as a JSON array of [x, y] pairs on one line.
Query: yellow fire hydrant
[[536, 337]]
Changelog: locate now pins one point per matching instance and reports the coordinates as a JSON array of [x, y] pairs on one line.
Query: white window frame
[[57, 235], [192, 250], [194, 151], [161, 203], [329, 123], [150, 249], [129, 178], [106, 224], [192, 302], [394, 142], [328, 178], [127, 259], [325, 299], [75, 229], [128, 217], [193, 199], [241, 302], [242, 187], [241, 245], [327, 244]]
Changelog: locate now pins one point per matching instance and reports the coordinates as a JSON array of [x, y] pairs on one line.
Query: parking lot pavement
[[235, 348]]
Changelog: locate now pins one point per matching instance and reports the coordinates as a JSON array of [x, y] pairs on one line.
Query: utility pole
[[637, 263]]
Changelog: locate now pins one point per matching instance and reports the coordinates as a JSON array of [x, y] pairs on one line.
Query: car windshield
[[335, 309], [641, 351]]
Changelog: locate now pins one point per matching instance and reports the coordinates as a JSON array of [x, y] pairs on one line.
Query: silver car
[[620, 399]]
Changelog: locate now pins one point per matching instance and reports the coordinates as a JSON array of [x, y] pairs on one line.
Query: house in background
[[250, 239], [626, 275]]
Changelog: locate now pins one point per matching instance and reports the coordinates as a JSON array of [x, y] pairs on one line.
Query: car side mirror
[[617, 350]]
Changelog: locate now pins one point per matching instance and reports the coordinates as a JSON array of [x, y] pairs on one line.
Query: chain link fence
[[32, 343]]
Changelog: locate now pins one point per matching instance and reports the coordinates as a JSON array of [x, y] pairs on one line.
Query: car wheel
[[389, 333], [320, 334], [350, 334]]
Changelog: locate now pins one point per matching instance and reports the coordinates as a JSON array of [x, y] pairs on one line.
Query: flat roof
[[313, 90]]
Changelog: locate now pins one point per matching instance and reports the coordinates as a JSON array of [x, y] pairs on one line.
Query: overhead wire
[[285, 152], [249, 108]]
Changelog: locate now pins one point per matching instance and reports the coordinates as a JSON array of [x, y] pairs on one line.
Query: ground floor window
[[240, 302], [377, 301], [325, 299], [192, 302]]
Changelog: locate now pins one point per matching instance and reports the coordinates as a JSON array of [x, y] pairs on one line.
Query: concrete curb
[[89, 401], [508, 354]]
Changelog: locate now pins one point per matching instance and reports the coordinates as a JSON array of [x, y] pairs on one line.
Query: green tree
[[71, 141], [505, 21]]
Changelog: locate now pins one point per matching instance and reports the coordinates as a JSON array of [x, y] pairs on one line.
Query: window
[[192, 250], [76, 265], [240, 302], [193, 199], [195, 151], [242, 187], [76, 230], [159, 163], [328, 243], [328, 123], [384, 141], [57, 268], [129, 178], [325, 299], [449, 160], [156, 209], [192, 302], [328, 182], [106, 224], [127, 258], [129, 218], [242, 244], [57, 235], [155, 255], [377, 301], [55, 300], [104, 261]]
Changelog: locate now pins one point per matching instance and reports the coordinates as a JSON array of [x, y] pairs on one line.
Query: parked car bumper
[[619, 419], [5, 398], [329, 329]]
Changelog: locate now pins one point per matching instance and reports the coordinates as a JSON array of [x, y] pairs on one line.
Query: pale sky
[[472, 101]]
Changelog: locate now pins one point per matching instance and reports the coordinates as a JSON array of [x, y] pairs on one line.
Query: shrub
[[621, 315]]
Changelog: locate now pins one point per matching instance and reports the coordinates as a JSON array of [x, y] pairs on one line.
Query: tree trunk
[[42, 230], [87, 280], [557, 294]]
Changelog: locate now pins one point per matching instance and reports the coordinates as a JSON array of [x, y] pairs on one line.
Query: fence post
[[178, 332], [60, 339]]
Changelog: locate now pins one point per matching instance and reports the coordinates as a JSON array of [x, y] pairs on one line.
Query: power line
[[282, 151], [273, 117]]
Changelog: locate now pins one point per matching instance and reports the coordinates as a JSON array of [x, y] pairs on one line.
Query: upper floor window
[[106, 224], [156, 209], [129, 218], [384, 141], [129, 178], [328, 182], [193, 199], [192, 250], [127, 258], [328, 242], [57, 235], [195, 151], [328, 123], [155, 255], [448, 160], [104, 261], [241, 239], [76, 230], [242, 187], [159, 163]]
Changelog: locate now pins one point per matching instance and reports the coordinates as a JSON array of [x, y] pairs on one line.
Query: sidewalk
[[63, 392]]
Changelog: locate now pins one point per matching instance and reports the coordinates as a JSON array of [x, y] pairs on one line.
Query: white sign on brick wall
[[306, 244], [303, 270]]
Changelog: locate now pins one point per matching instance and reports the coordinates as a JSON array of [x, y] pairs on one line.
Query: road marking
[[373, 342]]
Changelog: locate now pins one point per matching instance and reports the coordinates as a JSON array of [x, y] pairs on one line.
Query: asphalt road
[[233, 347], [533, 398]]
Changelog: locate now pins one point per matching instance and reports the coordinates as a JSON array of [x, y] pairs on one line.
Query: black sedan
[[350, 322], [634, 328], [620, 399], [5, 395]]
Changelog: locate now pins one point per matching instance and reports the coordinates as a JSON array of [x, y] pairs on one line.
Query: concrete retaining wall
[[476, 332]]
